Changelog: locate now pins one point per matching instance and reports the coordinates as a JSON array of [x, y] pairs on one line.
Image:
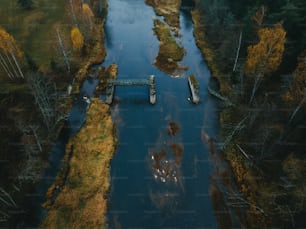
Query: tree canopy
[[265, 56], [77, 38]]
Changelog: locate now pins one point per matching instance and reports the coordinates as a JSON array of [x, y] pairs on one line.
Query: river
[[153, 185], [162, 174]]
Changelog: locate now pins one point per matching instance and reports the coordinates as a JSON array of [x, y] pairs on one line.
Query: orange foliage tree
[[259, 15], [9, 53], [77, 38], [297, 88], [296, 94], [87, 14], [265, 56]]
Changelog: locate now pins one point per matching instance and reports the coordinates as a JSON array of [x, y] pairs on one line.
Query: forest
[[46, 49], [256, 50]]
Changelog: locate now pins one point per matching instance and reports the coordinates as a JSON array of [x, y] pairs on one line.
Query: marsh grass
[[81, 203], [168, 9], [169, 51]]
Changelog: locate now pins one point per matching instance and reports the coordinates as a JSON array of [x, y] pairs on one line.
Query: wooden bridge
[[131, 82]]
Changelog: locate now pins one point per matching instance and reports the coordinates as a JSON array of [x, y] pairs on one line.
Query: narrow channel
[[174, 190]]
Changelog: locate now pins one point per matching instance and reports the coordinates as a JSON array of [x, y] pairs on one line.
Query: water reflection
[[166, 202], [222, 190]]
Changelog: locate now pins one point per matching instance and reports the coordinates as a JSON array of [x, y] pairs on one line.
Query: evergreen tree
[[26, 4]]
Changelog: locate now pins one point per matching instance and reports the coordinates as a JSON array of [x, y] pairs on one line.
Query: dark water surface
[[153, 184]]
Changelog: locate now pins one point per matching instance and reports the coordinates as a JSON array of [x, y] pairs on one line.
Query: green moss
[[169, 51]]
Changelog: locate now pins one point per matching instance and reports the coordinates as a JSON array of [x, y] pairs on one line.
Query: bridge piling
[[132, 82]]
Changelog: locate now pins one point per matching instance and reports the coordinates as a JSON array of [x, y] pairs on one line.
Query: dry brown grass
[[82, 201], [169, 51], [170, 10]]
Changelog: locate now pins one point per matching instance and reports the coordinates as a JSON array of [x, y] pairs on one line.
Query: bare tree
[[63, 50], [45, 96], [9, 53]]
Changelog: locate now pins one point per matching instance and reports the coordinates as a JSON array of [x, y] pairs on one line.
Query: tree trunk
[[297, 109], [62, 47], [255, 87], [6, 67], [16, 63], [237, 53]]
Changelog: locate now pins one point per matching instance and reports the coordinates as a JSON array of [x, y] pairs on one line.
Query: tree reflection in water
[[224, 194]]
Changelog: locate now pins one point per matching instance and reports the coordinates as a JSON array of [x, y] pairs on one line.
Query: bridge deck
[[131, 82]]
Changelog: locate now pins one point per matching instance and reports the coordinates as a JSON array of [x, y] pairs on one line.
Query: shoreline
[[82, 200]]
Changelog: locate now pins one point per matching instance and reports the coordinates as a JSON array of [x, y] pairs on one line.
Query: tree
[[259, 15], [63, 49], [88, 15], [297, 88], [77, 38], [9, 53], [75, 10], [265, 56], [45, 96], [26, 4], [296, 94]]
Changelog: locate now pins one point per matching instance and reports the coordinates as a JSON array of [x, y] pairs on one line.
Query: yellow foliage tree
[[87, 15], [265, 56], [86, 10], [9, 53], [77, 38]]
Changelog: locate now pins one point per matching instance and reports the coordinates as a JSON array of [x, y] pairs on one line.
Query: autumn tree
[[9, 54], [76, 38], [87, 15], [296, 94], [265, 57], [259, 15], [75, 9]]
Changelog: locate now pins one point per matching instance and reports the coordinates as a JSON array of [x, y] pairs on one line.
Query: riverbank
[[82, 201], [242, 174], [170, 10], [258, 141], [25, 139], [206, 49]]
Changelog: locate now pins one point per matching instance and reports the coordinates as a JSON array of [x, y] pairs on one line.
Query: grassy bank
[[169, 51], [262, 147], [207, 50], [82, 201], [26, 141], [170, 10]]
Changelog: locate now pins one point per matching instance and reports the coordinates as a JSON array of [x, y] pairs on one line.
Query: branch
[[237, 53]]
